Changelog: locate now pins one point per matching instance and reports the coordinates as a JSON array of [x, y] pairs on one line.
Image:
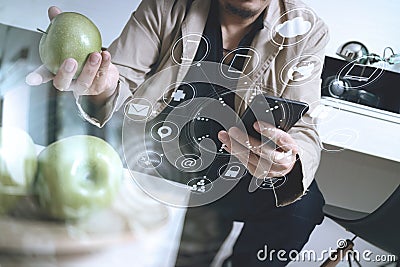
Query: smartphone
[[280, 112]]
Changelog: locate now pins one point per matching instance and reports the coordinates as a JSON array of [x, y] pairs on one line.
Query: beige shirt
[[145, 47]]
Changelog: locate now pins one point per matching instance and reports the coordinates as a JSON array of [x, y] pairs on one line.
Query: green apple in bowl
[[69, 35], [18, 165], [77, 176]]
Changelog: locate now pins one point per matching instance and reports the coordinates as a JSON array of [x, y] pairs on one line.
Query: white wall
[[109, 16], [374, 23]]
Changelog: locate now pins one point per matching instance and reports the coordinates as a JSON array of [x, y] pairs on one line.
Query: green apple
[[77, 176], [17, 166], [69, 35]]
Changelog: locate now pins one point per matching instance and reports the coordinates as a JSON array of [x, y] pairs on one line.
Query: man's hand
[[262, 160], [98, 78]]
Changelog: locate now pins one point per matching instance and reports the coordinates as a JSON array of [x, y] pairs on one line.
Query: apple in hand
[[17, 166], [77, 176], [69, 35]]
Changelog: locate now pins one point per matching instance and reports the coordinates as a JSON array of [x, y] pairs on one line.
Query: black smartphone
[[281, 112]]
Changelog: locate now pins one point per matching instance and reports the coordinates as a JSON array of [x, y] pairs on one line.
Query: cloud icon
[[294, 27]]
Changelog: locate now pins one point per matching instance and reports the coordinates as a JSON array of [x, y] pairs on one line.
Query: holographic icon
[[149, 160], [360, 73], [343, 138], [363, 75], [191, 46], [271, 183], [200, 185], [138, 109], [232, 171], [188, 163], [178, 95], [293, 28], [301, 71], [164, 131], [245, 59], [290, 32], [181, 93], [184, 50]]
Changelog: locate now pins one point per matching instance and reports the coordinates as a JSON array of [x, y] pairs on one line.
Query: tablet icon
[[245, 61], [238, 61]]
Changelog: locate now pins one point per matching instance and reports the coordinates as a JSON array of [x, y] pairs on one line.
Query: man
[[286, 36]]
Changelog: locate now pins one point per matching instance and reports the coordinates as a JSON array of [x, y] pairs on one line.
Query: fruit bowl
[[26, 231]]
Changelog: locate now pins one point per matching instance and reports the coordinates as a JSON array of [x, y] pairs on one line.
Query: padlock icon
[[233, 171]]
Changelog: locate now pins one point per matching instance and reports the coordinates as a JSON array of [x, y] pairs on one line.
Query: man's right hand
[[99, 77]]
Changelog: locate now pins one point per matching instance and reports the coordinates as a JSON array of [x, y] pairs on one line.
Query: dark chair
[[380, 228]]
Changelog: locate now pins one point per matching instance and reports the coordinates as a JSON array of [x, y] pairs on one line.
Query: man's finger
[[101, 76], [39, 76], [257, 167], [279, 137], [236, 149], [53, 11], [87, 76], [242, 138], [65, 74]]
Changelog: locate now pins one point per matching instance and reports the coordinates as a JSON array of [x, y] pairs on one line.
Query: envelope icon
[[138, 110]]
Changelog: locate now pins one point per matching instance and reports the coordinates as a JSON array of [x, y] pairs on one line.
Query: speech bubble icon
[[164, 131]]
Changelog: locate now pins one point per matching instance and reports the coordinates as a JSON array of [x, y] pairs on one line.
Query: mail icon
[[138, 110]]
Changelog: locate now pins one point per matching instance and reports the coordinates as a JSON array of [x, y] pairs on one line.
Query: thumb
[[39, 76], [53, 11]]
